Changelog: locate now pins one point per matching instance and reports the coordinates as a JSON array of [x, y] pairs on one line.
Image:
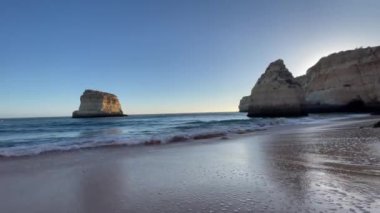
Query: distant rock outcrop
[[276, 93], [348, 81], [98, 104]]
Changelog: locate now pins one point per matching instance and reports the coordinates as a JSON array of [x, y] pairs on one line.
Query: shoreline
[[318, 167], [200, 138]]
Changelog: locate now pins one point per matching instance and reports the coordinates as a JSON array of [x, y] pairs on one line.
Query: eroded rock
[[98, 104], [276, 93], [345, 81], [244, 104], [348, 81]]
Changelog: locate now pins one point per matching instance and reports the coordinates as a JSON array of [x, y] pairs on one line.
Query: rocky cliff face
[[98, 104], [344, 81], [244, 104], [276, 93]]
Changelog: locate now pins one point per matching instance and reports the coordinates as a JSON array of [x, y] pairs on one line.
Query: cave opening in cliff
[[356, 105]]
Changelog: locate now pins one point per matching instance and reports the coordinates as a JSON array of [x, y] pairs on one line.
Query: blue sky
[[164, 56]]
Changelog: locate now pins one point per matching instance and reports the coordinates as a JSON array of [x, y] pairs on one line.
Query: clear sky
[[163, 56]]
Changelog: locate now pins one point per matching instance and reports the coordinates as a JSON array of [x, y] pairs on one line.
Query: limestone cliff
[[345, 81], [98, 104], [341, 82], [276, 93], [301, 80]]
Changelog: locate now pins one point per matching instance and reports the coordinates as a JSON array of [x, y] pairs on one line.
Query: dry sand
[[313, 168]]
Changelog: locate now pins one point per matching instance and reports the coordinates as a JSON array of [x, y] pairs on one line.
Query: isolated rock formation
[[276, 93], [98, 104], [345, 81], [348, 81]]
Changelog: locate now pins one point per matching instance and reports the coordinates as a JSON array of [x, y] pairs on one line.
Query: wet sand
[[312, 168]]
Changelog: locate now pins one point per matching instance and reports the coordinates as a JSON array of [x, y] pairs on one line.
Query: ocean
[[31, 136]]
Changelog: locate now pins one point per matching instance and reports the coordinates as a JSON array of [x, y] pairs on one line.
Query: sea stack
[[98, 104], [276, 94]]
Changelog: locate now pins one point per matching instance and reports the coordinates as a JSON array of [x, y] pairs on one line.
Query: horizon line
[[170, 113]]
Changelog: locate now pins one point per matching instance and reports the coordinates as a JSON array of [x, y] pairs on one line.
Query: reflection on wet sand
[[332, 170]]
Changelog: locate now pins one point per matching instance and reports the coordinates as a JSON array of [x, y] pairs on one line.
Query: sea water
[[29, 136]]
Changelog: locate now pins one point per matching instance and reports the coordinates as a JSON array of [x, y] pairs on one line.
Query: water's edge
[[33, 136]]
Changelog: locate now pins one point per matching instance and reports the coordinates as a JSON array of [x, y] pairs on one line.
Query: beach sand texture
[[310, 168]]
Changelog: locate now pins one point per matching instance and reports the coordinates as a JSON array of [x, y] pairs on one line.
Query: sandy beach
[[332, 167]]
